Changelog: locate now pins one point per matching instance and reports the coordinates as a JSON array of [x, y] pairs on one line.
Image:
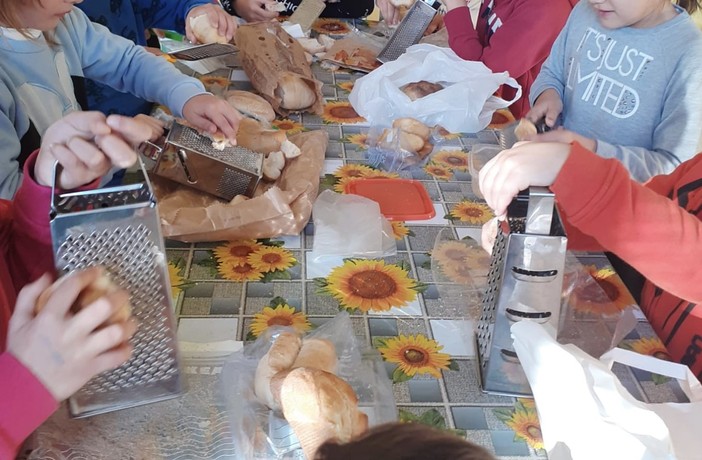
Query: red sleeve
[[642, 226], [523, 40], [24, 404]]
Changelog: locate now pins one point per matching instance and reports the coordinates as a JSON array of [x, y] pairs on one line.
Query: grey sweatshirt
[[636, 91]]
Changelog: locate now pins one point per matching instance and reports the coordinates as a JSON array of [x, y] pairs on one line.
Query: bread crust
[[419, 89], [250, 105]]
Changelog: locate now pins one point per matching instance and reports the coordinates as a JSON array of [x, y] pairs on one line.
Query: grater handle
[[54, 180], [540, 211]]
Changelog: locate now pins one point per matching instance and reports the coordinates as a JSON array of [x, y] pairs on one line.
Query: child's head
[[615, 14], [42, 15], [404, 441]]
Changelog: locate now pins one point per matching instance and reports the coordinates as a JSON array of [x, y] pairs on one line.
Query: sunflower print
[[233, 271], [360, 139], [399, 229], [460, 274], [331, 27], [236, 252], [378, 174], [281, 315], [525, 424], [213, 83], [370, 285], [500, 119], [346, 85], [651, 346], [287, 125], [456, 160], [443, 132], [472, 212], [437, 171], [352, 170], [340, 112], [175, 278], [271, 258], [415, 355], [340, 185], [606, 296]]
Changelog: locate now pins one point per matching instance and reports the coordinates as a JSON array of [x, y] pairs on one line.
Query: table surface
[[210, 308]]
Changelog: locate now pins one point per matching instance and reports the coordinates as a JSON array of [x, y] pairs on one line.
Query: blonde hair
[[9, 18], [691, 6]]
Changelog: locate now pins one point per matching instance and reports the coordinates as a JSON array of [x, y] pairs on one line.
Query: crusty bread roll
[[250, 105], [101, 287], [253, 136], [410, 142], [204, 32], [420, 89], [319, 407], [401, 3], [275, 6], [273, 165], [294, 93], [280, 357], [525, 130], [413, 126], [317, 354]]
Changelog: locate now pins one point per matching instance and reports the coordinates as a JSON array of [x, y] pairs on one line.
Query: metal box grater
[[199, 52], [187, 157], [524, 284], [118, 228], [410, 30]]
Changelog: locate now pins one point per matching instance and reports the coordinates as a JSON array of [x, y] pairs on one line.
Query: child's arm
[[10, 175], [552, 73]]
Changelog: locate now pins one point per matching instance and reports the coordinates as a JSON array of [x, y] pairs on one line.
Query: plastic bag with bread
[[407, 143]]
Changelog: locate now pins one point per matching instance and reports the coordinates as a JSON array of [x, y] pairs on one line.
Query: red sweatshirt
[[654, 227], [511, 35], [25, 253]]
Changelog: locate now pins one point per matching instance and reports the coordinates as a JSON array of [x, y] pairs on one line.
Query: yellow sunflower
[[282, 315], [378, 174], [271, 258], [443, 132], [399, 229], [345, 85], [651, 346], [175, 278], [416, 354], [527, 403], [454, 159], [438, 171], [501, 118], [451, 252], [606, 296], [238, 272], [371, 285], [331, 27], [340, 112], [360, 139], [211, 81], [236, 252], [459, 274], [525, 424], [472, 212], [340, 186], [287, 125], [352, 170]]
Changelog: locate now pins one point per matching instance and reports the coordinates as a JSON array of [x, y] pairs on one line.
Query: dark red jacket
[[510, 35]]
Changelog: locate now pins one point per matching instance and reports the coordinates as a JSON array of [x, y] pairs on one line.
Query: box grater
[[188, 157], [410, 30], [524, 284], [118, 228], [199, 52]]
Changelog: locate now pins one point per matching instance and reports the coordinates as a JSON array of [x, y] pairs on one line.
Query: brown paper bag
[[266, 52], [283, 208]]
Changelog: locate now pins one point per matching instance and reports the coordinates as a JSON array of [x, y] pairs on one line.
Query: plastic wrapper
[[385, 151], [262, 433]]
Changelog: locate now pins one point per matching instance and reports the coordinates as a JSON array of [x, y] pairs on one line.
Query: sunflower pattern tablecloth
[[417, 308]]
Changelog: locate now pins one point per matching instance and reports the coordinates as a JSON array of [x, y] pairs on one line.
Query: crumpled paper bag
[[283, 208]]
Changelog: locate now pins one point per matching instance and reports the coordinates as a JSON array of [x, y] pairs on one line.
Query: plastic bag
[[262, 433], [586, 412], [385, 152], [465, 104]]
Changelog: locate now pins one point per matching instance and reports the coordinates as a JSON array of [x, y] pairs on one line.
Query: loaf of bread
[[419, 89], [319, 407], [250, 105], [280, 357], [253, 136], [294, 92], [525, 130], [317, 354], [204, 31]]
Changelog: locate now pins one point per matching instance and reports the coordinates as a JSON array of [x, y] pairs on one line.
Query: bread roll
[[401, 3], [410, 142], [204, 32], [420, 89], [275, 6], [317, 354], [250, 105], [273, 165], [280, 357], [411, 125], [294, 93], [319, 407], [253, 136], [525, 130]]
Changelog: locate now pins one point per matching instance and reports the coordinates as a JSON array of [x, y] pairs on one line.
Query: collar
[[15, 34]]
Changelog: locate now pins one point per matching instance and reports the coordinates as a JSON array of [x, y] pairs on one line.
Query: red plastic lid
[[399, 199]]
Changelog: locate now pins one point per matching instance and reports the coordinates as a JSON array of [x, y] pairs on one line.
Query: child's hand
[[388, 11], [566, 136], [254, 10], [87, 144], [211, 114], [63, 350], [153, 124], [488, 235], [219, 19], [532, 163], [548, 106]]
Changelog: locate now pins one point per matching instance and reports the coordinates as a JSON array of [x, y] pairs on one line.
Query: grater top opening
[[95, 200]]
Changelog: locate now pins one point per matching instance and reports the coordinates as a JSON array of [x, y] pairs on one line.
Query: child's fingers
[[115, 152], [110, 359], [105, 339], [88, 154], [67, 290], [95, 314], [27, 300]]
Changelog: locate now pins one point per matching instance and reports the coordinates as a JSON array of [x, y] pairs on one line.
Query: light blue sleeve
[[121, 64], [10, 173]]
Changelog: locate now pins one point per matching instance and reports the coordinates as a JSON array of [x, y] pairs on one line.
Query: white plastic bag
[[465, 104], [586, 413]]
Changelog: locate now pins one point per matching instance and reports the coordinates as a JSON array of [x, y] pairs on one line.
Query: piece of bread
[[219, 141], [419, 89], [204, 31], [294, 92], [311, 45], [273, 165], [317, 354], [101, 287], [525, 130], [413, 126], [250, 105], [253, 136], [275, 6], [319, 407], [401, 3], [280, 357]]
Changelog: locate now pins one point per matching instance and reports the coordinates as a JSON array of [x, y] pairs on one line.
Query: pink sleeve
[[24, 404]]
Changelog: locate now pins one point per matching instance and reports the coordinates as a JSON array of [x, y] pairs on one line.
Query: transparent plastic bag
[[261, 433], [385, 151]]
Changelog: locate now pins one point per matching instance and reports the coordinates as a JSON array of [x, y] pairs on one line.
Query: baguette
[[317, 354]]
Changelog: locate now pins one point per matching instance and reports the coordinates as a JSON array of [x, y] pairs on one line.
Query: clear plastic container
[[480, 154]]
